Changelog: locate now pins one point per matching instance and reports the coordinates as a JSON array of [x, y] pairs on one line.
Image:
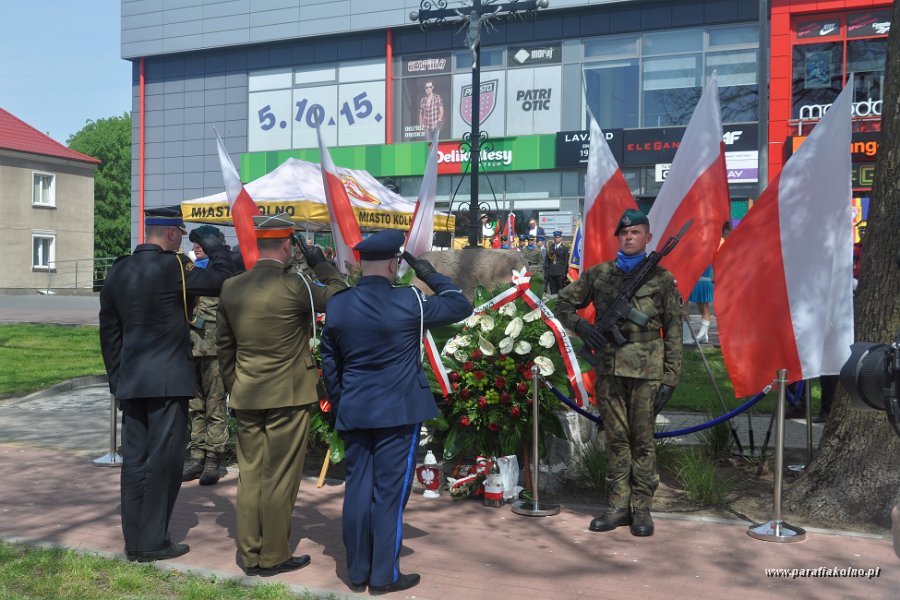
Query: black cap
[[164, 216], [381, 246]]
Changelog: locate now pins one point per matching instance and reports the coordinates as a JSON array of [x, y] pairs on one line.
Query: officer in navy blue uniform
[[146, 345], [372, 361]]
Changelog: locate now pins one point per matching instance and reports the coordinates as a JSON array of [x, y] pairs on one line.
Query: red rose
[[505, 398], [482, 403], [468, 365], [515, 412], [522, 388], [476, 354], [501, 357], [464, 421], [455, 386], [493, 427], [478, 375], [465, 393], [454, 376], [499, 382]]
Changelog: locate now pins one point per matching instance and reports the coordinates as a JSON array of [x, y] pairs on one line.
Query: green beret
[[632, 217], [205, 230]]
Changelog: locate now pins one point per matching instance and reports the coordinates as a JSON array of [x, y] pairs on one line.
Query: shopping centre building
[[263, 71]]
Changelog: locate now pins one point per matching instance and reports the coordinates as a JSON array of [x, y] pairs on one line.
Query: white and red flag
[[242, 207], [606, 197], [421, 230], [509, 228], [784, 281], [344, 226], [696, 188]]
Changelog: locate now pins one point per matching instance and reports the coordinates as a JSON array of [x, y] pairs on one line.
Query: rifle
[[621, 309]]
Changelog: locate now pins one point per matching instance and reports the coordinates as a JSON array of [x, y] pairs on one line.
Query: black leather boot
[[614, 517], [641, 522]]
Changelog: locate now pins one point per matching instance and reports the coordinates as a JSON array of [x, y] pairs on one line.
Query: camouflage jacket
[[535, 259], [653, 351], [203, 329]]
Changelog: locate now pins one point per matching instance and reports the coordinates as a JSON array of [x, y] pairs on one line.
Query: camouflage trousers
[[626, 406], [208, 410]]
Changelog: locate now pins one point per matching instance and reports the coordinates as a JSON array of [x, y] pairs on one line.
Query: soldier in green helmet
[[634, 380]]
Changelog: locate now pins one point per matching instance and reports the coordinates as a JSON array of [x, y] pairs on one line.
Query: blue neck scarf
[[202, 263], [627, 263]]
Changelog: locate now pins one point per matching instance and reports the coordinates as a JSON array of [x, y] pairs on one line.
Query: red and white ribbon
[[522, 289], [434, 359]]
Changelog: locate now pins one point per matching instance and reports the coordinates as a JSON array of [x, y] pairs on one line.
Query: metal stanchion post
[[807, 398], [535, 508], [113, 459], [777, 530]]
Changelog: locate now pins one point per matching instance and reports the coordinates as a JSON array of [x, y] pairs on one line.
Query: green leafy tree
[[110, 141]]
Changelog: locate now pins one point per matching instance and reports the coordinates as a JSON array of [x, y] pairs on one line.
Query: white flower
[[487, 323], [464, 341], [522, 347], [452, 345], [547, 339], [514, 328], [532, 316], [506, 344], [473, 320], [486, 347], [461, 355], [508, 310], [544, 364]]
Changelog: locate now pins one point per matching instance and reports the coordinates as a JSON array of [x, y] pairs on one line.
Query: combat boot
[[210, 473], [192, 469], [614, 517], [641, 522]]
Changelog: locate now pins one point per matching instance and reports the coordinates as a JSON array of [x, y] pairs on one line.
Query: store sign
[[864, 146], [741, 167], [431, 64], [487, 101], [519, 56], [818, 28], [862, 176], [492, 106], [533, 100], [658, 146], [426, 104], [869, 24], [864, 108], [573, 147]]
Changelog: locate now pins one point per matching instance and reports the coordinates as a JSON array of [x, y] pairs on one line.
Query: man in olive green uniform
[[634, 380], [533, 256], [208, 409], [263, 332]]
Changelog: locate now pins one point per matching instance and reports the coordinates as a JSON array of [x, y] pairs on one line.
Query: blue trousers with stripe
[[380, 466]]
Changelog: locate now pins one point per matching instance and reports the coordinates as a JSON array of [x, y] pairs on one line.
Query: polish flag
[[784, 277], [696, 188], [242, 207], [421, 230], [344, 226], [606, 197], [509, 228]]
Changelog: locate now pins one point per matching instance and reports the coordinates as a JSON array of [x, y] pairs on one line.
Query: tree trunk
[[855, 475]]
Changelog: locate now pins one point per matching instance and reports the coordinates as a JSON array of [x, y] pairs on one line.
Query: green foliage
[[697, 473], [109, 140], [38, 356], [60, 574], [591, 467]]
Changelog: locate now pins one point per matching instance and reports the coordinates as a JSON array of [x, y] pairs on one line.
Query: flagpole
[[762, 85]]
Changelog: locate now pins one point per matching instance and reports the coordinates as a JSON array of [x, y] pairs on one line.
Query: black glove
[[210, 242], [663, 395], [589, 335], [312, 254], [423, 268]]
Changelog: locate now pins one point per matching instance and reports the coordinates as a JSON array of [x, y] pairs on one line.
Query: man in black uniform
[[144, 308], [557, 263]]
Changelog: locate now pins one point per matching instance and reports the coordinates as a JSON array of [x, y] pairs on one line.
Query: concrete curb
[[60, 388]]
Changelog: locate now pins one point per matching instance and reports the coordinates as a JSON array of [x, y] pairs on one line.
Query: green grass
[[38, 356], [591, 467], [696, 472], [27, 573]]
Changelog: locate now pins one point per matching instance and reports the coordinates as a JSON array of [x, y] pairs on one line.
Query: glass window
[[44, 190], [42, 251], [817, 78], [669, 42], [611, 47], [612, 93], [671, 90], [865, 64], [731, 36], [490, 57], [738, 92]]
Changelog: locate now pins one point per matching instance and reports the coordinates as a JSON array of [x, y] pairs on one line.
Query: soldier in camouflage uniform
[[635, 380], [208, 410], [533, 256]]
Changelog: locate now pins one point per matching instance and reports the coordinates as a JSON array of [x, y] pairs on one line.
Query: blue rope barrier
[[665, 434]]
